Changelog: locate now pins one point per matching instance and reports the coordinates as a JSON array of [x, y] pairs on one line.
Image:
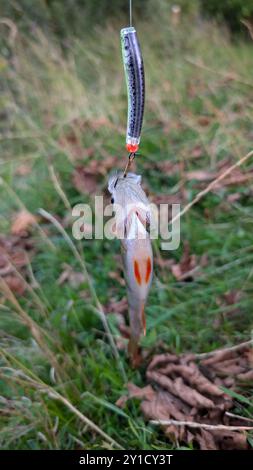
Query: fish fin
[[144, 220], [143, 320], [123, 246], [134, 352]]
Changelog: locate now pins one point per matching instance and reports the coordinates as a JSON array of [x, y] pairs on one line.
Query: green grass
[[191, 71]]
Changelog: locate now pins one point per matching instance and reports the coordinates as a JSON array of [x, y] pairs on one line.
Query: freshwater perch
[[132, 216]]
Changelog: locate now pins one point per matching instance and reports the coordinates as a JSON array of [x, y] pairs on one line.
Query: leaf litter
[[87, 177], [184, 396], [16, 252]]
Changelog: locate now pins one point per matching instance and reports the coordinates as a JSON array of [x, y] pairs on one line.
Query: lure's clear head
[[125, 31], [125, 43]]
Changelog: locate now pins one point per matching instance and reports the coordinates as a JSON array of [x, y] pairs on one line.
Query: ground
[[64, 109]]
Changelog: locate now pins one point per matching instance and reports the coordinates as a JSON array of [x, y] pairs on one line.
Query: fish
[[135, 81], [132, 221]]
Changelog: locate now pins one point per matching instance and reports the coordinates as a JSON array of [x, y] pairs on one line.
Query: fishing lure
[[135, 80], [134, 215]]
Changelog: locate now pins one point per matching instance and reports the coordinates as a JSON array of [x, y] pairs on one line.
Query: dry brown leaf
[[232, 297], [115, 275], [22, 222], [187, 268], [15, 254], [16, 284], [84, 180], [86, 177], [73, 278], [234, 197], [161, 359], [116, 306], [236, 177], [145, 393], [188, 392], [23, 169], [164, 263], [221, 356], [197, 151], [193, 376], [230, 440], [73, 145], [166, 199], [168, 167], [246, 376], [200, 175], [206, 440], [178, 388], [204, 121]]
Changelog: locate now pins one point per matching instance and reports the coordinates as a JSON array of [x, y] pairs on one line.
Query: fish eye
[[112, 200]]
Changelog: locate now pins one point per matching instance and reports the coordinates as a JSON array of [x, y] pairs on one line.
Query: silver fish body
[[129, 197]]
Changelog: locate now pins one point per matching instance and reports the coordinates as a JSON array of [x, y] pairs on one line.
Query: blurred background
[[63, 110]]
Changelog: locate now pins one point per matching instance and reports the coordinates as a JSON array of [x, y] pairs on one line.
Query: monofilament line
[[130, 13]]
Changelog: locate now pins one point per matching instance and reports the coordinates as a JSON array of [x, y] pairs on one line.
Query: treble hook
[[131, 157]]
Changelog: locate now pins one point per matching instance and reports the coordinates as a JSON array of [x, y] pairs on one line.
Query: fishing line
[[130, 13]]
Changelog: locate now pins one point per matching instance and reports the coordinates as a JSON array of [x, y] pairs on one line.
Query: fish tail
[[138, 327], [134, 351], [143, 320]]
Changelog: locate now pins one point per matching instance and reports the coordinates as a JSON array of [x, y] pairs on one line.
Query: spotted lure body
[[132, 205], [134, 72]]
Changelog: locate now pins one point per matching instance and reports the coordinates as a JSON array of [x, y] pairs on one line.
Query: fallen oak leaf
[[160, 359], [178, 388], [194, 377], [171, 405], [84, 180], [115, 275], [197, 151], [115, 306], [135, 392], [22, 222], [155, 409], [23, 169], [226, 439], [15, 254], [246, 376], [200, 175], [206, 440], [16, 284], [187, 267], [204, 121], [141, 393], [173, 401], [74, 278], [234, 197], [228, 367], [72, 144]]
